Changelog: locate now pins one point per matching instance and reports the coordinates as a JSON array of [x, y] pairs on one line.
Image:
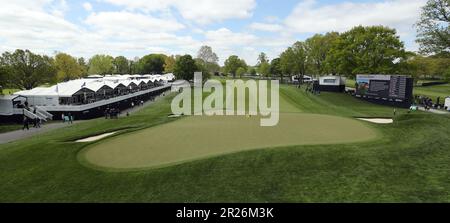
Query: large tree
[[368, 50], [262, 58], [319, 47], [152, 64], [84, 67], [275, 68], [169, 64], [185, 67], [209, 59], [433, 27], [232, 64], [264, 69], [67, 67], [240, 72], [4, 77], [27, 70], [287, 62], [101, 64], [121, 65]]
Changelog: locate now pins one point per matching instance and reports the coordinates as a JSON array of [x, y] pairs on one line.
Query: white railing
[[75, 108], [44, 113]]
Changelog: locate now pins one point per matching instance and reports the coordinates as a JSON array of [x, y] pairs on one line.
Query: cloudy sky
[[242, 27]]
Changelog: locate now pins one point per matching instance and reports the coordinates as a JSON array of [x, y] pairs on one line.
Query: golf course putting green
[[200, 137]]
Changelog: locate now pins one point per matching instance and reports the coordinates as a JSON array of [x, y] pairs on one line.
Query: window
[[329, 81]]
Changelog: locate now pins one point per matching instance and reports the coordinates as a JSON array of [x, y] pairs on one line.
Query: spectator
[[25, 123], [70, 118]]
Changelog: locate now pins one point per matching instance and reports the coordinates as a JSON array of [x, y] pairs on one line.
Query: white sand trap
[[378, 120], [95, 138]]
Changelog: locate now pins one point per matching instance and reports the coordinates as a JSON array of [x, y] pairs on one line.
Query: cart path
[[22, 134]]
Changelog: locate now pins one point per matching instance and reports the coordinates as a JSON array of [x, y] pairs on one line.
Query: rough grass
[[410, 163], [9, 127]]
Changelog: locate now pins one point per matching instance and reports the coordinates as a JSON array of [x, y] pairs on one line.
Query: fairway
[[200, 137]]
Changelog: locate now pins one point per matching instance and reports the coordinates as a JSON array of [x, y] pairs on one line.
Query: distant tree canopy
[[232, 64], [169, 64], [121, 65], [240, 72], [185, 67], [433, 27], [262, 58], [293, 61], [275, 68], [207, 59], [318, 48], [26, 70], [84, 67], [67, 67], [368, 50], [152, 64], [101, 64]]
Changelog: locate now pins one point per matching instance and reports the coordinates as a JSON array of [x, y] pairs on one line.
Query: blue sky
[[245, 28]]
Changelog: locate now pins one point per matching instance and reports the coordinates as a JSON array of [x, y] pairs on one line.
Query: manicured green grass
[[433, 92], [409, 163], [9, 127], [211, 136]]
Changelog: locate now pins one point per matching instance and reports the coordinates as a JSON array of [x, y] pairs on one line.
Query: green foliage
[[367, 50], [202, 67], [262, 58], [185, 67], [84, 67], [26, 70], [67, 67], [208, 60], [433, 27], [318, 48], [169, 64], [264, 69], [121, 65], [232, 64], [101, 64], [252, 71], [240, 72], [275, 68], [427, 67], [152, 64]]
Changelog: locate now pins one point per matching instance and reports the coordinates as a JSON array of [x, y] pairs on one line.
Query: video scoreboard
[[393, 89]]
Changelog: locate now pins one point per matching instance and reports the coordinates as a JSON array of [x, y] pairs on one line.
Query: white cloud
[[87, 6], [127, 23], [199, 11], [310, 17], [267, 27]]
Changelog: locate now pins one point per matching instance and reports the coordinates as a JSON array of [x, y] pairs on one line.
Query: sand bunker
[[378, 120], [95, 138]]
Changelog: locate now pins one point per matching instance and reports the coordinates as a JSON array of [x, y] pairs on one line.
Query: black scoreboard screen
[[393, 88]]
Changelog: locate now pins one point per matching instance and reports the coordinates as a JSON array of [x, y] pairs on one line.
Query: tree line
[[363, 50], [24, 69]]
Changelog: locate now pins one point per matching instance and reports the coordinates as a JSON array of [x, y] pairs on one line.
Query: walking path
[[435, 111], [22, 134]]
